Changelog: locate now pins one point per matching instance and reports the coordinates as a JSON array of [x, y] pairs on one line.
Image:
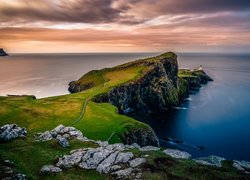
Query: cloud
[[131, 25], [111, 11]]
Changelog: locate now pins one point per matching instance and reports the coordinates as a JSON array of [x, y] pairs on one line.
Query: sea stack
[[2, 52]]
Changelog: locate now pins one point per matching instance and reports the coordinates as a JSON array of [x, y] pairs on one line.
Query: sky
[[38, 26]]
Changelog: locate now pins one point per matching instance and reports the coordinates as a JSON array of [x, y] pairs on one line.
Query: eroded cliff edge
[[156, 87]]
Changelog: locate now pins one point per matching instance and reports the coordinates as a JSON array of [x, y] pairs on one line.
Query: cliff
[[157, 88], [147, 85], [2, 52]]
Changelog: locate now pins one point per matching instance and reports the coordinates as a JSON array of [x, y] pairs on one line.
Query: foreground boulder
[[177, 154], [48, 169], [62, 134], [211, 160], [11, 131], [242, 166], [108, 158]]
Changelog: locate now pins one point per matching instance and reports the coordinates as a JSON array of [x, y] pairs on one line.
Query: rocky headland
[[160, 86]]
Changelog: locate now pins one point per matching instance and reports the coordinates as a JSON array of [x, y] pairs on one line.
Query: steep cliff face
[[141, 136], [155, 91]]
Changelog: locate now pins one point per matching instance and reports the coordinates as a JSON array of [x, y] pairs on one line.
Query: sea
[[215, 117]]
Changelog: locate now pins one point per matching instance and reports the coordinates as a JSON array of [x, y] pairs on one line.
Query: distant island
[[2, 52]]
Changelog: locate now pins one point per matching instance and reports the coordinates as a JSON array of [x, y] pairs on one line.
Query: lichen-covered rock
[[210, 160], [11, 131], [46, 136], [93, 157], [242, 166], [124, 157], [48, 169], [177, 154], [105, 166], [132, 146], [68, 161], [149, 148], [62, 140], [124, 173], [62, 134], [137, 161]]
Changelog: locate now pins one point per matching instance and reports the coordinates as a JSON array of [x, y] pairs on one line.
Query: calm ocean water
[[217, 116]]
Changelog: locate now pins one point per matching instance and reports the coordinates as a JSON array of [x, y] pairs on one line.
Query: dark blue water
[[217, 116]]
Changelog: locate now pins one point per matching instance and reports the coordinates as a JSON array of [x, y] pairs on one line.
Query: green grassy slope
[[39, 115]]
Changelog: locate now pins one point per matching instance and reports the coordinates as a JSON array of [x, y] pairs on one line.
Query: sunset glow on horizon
[[124, 26]]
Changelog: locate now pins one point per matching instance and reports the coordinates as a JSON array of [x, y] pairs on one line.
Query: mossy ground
[[99, 122]]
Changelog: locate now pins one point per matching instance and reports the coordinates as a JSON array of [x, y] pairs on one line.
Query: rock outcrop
[[108, 158], [155, 91], [210, 160], [62, 134], [141, 136], [195, 77], [2, 52], [11, 131], [177, 154], [242, 166]]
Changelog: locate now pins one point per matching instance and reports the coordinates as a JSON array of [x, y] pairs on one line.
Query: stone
[[149, 148], [124, 157], [59, 129], [11, 131], [210, 160], [93, 157], [47, 169], [177, 154], [62, 134], [68, 161], [132, 146], [19, 176], [46, 136], [117, 146], [62, 141], [136, 162], [102, 143], [105, 166], [241, 165], [123, 173], [115, 168]]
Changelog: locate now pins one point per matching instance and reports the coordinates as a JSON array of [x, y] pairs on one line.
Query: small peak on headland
[[2, 52]]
